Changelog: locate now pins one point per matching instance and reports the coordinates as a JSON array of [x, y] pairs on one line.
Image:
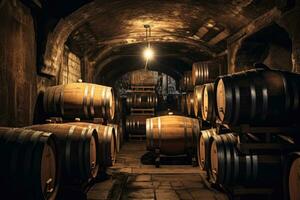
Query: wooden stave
[[251, 84], [135, 100], [75, 139], [28, 147], [198, 93], [190, 143], [90, 105]]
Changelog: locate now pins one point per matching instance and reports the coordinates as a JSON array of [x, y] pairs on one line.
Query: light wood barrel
[[141, 100], [172, 134], [143, 78], [198, 94], [136, 124], [80, 100], [208, 110], [258, 97], [78, 148], [206, 72], [190, 104], [291, 177], [30, 167], [186, 83], [107, 142], [228, 167], [203, 148]]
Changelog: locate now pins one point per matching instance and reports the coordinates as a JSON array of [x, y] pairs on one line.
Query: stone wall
[[18, 88]]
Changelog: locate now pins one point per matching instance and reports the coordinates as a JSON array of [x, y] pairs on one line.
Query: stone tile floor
[[131, 180]]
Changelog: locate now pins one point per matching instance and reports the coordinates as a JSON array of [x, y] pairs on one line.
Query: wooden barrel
[[183, 104], [228, 167], [136, 124], [198, 94], [141, 100], [208, 111], [258, 97], [291, 176], [80, 100], [203, 148], [118, 134], [172, 134], [190, 104], [206, 72], [30, 167], [186, 83], [107, 151], [78, 148]]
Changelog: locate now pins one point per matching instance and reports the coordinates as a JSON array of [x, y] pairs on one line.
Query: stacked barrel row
[[42, 160], [260, 98], [141, 102]]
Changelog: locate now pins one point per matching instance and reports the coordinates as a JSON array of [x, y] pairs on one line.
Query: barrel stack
[[186, 89], [141, 102], [259, 110]]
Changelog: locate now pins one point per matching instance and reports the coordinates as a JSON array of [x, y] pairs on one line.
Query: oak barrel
[[136, 124], [183, 104], [258, 97], [118, 134], [203, 148], [172, 134], [198, 94], [79, 100], [186, 83], [30, 167], [141, 100], [208, 106], [78, 149], [229, 167], [206, 71], [291, 176], [190, 104], [107, 142]]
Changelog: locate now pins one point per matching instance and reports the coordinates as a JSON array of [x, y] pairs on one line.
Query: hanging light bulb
[[148, 53]]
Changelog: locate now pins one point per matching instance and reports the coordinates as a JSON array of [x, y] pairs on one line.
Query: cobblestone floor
[[131, 180]]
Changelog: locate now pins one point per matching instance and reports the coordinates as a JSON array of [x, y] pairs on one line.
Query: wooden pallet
[[141, 88]]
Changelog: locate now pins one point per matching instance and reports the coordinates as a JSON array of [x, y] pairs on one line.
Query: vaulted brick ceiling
[[183, 31]]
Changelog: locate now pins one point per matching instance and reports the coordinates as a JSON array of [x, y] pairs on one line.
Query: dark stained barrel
[[78, 148], [183, 104], [136, 124], [228, 167], [172, 134], [30, 166], [208, 106], [80, 100], [198, 94], [258, 97], [107, 150], [186, 83], [206, 71], [203, 148], [291, 177], [141, 100]]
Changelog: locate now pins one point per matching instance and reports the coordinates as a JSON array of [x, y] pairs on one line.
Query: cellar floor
[[130, 179]]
